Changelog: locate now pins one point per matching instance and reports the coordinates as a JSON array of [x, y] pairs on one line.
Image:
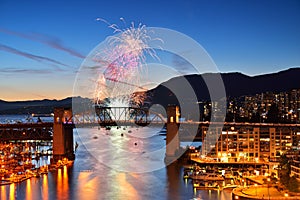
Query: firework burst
[[122, 61]]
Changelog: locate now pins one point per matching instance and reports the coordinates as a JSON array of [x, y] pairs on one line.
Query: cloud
[[31, 56], [50, 41], [22, 71], [181, 65]]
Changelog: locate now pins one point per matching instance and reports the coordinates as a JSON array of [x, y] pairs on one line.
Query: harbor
[[92, 178], [243, 180], [24, 160]]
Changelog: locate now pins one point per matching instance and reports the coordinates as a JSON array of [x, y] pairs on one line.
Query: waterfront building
[[257, 108], [295, 169], [249, 142]]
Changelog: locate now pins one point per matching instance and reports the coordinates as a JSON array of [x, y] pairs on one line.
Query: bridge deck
[[26, 131], [26, 125], [44, 131]]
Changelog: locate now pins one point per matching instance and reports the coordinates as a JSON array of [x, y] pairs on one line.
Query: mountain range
[[45, 106], [236, 85]]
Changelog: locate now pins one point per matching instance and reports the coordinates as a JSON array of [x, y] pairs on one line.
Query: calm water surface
[[90, 177]]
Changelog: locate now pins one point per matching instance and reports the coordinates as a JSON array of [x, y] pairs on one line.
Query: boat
[[207, 177], [36, 174], [187, 175], [44, 169], [202, 185], [230, 186]]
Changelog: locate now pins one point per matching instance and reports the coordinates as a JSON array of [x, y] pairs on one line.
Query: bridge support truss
[[118, 116]]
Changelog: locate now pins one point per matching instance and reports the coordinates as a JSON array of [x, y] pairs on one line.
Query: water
[[91, 177]]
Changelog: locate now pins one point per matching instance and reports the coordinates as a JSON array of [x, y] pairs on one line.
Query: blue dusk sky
[[43, 43]]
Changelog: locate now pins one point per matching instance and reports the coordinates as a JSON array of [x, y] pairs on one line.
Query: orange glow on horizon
[[38, 88], [30, 98]]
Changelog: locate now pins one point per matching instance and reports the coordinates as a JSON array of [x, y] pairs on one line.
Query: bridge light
[[177, 114], [171, 119]]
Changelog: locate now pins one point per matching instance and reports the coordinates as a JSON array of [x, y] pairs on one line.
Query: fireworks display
[[122, 61]]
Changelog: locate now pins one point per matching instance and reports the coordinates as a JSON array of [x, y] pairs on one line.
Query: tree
[[284, 174], [273, 114], [283, 160], [293, 184], [255, 117]]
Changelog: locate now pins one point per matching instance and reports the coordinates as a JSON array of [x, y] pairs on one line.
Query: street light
[[286, 194]]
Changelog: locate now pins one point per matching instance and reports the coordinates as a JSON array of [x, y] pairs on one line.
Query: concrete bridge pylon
[[172, 138], [63, 135]]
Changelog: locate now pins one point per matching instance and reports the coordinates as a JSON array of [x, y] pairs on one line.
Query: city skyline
[[42, 45]]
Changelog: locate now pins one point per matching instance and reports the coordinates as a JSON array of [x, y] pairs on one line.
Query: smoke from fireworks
[[122, 61]]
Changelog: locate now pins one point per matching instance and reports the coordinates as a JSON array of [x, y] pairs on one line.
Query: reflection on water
[[59, 184], [12, 191], [3, 193], [44, 187], [90, 179], [126, 189], [87, 186], [173, 182], [62, 184], [28, 189], [65, 180]]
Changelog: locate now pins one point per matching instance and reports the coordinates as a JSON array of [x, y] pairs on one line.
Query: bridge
[[44, 131], [103, 116], [26, 131], [216, 137], [125, 116]]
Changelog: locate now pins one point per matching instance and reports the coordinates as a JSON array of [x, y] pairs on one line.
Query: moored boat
[[207, 177]]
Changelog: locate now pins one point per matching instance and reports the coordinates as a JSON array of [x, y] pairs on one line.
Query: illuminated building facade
[[249, 142], [271, 107], [295, 169]]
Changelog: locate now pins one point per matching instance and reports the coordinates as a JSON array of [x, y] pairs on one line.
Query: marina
[[23, 160], [88, 176]]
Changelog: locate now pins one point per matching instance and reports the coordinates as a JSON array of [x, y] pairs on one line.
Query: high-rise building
[[252, 142]]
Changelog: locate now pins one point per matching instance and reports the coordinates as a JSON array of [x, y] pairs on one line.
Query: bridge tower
[[63, 134], [172, 138]]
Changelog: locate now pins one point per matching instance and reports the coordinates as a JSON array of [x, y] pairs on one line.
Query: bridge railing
[[140, 116]]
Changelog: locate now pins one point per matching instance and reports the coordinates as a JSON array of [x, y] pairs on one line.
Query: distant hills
[[236, 85], [45, 106]]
